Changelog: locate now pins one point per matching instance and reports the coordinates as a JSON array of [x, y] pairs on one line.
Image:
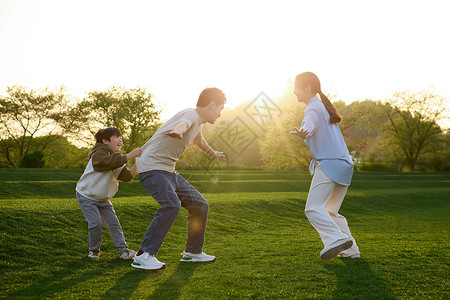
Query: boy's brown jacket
[[99, 181]]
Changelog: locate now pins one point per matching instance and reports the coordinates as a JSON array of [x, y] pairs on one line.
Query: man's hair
[[107, 133], [211, 94]]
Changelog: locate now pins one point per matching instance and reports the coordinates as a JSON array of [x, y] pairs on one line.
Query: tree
[[279, 150], [412, 123], [33, 159], [25, 114], [362, 127], [63, 154], [131, 111]]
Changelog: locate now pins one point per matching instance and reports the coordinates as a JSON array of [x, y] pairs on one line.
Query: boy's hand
[[134, 153], [174, 134], [218, 154], [301, 133]]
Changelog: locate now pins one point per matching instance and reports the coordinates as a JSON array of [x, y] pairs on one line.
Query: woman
[[331, 167]]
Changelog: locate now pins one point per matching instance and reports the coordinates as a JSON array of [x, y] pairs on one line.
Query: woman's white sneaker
[[194, 257], [335, 248], [146, 261]]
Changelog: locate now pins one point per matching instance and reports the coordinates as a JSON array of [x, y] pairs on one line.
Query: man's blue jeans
[[172, 192]]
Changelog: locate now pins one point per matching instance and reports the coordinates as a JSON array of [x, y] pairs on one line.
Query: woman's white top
[[326, 144]]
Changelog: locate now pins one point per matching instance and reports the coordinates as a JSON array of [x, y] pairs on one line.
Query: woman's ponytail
[[332, 111], [309, 78]]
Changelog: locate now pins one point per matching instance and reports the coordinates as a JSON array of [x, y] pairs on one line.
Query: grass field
[[265, 247]]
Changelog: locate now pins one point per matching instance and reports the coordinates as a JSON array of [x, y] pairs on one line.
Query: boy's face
[[114, 143]]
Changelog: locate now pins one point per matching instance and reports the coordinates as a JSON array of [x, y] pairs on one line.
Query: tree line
[[44, 127], [49, 128], [400, 133]]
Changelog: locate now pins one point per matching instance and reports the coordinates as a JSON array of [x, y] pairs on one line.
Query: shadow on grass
[[59, 281], [357, 280], [172, 287], [127, 284]]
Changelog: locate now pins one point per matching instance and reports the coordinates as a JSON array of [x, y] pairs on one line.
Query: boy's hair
[[107, 133], [211, 94]]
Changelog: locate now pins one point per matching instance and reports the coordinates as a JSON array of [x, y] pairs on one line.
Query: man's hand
[[301, 133], [218, 154], [179, 130], [174, 134]]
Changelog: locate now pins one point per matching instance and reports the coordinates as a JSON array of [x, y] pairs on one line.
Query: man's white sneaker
[[127, 254], [193, 257], [335, 248], [146, 261]]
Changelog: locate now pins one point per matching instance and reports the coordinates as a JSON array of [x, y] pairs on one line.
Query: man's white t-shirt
[[162, 152]]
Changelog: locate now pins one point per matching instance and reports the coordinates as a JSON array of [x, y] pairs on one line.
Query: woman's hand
[[300, 133]]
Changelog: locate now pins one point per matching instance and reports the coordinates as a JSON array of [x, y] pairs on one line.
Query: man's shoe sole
[[139, 266], [333, 252]]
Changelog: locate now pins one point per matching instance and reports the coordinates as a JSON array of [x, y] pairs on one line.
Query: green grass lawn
[[265, 247]]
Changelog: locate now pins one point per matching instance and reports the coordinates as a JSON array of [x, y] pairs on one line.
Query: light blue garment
[[326, 144]]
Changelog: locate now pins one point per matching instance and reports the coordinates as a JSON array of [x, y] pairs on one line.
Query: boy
[[157, 174], [99, 183]]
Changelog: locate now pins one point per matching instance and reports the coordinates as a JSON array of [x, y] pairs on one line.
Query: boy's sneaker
[[128, 254], [94, 254], [146, 261], [335, 248], [200, 257]]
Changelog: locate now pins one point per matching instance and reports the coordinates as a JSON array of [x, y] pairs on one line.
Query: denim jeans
[[172, 192], [96, 213]]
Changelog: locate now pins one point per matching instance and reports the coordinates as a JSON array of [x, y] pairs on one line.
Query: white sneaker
[[128, 254], [200, 257], [356, 255], [335, 248], [145, 261]]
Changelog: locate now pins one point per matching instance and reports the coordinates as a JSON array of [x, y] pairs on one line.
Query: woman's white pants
[[322, 206]]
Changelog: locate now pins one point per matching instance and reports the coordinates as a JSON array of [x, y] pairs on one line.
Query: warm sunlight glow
[[175, 49]]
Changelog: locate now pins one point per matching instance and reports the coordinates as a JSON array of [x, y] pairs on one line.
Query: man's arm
[[205, 147], [179, 130]]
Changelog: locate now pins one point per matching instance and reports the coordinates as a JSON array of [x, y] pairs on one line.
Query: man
[[156, 167]]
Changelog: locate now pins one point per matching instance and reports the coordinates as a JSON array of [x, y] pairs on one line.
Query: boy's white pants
[[324, 201]]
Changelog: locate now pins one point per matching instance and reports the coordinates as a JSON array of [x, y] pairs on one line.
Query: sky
[[359, 49]]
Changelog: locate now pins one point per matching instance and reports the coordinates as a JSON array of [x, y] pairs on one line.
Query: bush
[[377, 167], [34, 159]]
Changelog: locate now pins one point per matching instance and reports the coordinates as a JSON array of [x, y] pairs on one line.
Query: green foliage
[[401, 133], [412, 123], [25, 114], [62, 154], [265, 246], [132, 111], [34, 159], [280, 150], [58, 154]]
